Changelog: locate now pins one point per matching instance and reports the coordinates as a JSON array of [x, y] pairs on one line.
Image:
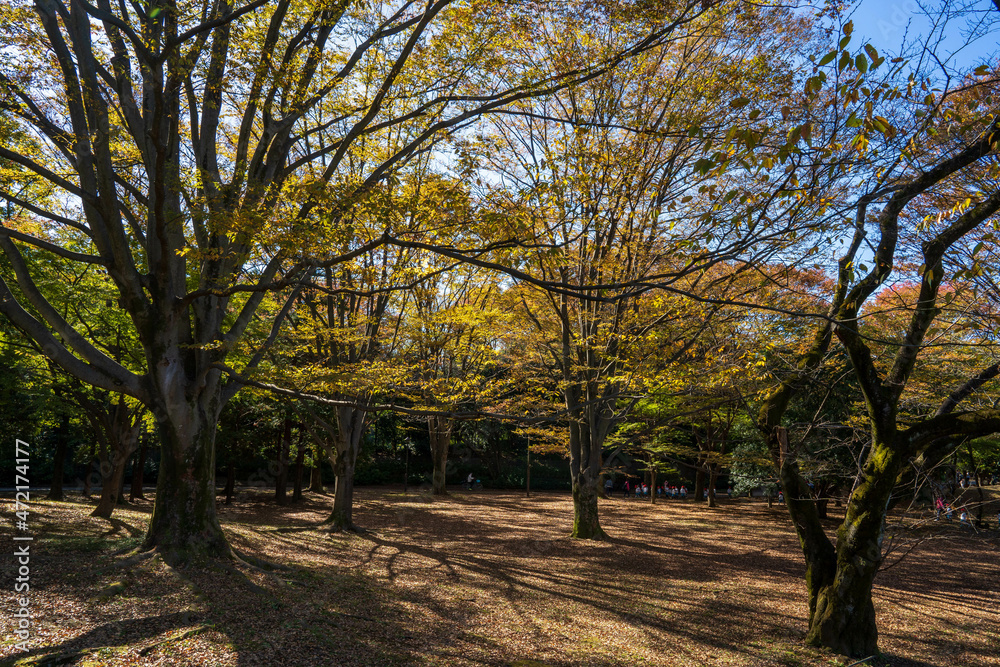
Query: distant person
[[963, 518], [781, 497], [626, 488], [938, 508], [684, 492], [469, 480], [609, 487], [645, 490], [948, 512]]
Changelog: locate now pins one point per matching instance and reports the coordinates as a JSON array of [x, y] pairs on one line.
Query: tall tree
[[175, 137], [619, 184], [942, 159]]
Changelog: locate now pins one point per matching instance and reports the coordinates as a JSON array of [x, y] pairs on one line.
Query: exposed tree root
[[135, 556], [329, 526], [67, 657], [260, 563]]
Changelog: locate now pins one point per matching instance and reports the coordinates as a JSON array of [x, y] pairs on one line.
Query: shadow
[[117, 525], [115, 633]]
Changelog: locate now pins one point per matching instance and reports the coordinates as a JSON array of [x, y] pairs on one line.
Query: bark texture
[[439, 431]]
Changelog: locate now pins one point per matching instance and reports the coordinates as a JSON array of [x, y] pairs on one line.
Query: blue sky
[[886, 23]]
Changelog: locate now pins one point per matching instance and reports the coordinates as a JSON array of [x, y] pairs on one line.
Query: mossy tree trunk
[[840, 579], [585, 468], [844, 616], [184, 525]]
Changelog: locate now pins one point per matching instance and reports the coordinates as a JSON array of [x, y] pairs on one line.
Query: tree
[[941, 159], [621, 186], [176, 141], [449, 334]]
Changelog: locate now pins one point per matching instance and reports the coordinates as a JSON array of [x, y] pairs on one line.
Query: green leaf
[[739, 102], [861, 63], [828, 58], [845, 60]]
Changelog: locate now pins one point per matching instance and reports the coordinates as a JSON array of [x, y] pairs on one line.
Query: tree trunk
[[140, 466], [844, 617], [300, 457], [184, 524], [699, 483], [316, 473], [111, 485], [342, 516], [652, 485], [59, 461], [439, 431], [350, 430], [821, 507], [585, 469], [282, 481], [89, 471], [527, 473], [713, 476], [230, 480], [120, 496]]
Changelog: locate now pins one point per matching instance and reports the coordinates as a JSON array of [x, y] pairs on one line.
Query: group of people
[[632, 489], [964, 518]]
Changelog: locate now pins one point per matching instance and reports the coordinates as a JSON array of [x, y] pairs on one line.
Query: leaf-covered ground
[[485, 578]]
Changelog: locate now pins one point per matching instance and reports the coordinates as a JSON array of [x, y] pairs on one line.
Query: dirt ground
[[484, 578]]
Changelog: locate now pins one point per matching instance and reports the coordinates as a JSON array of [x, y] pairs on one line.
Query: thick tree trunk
[[316, 477], [281, 482], [139, 469], [439, 431], [844, 617], [712, 478], [350, 430], [110, 486], [586, 524], [585, 469], [59, 461], [699, 484], [342, 516], [184, 525]]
